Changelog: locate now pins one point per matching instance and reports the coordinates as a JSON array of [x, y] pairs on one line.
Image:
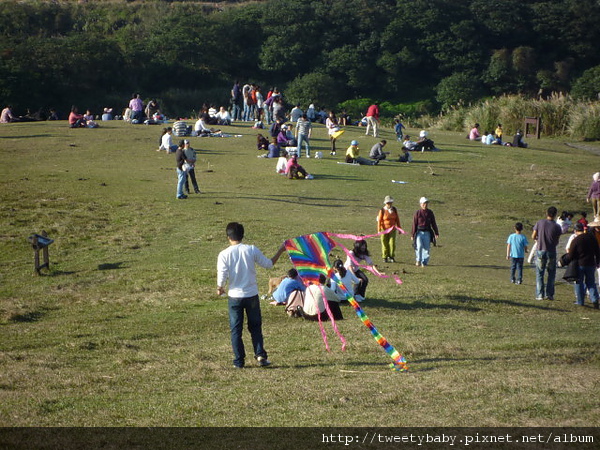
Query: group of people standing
[[582, 254]]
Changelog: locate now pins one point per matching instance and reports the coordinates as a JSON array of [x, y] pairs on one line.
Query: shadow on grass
[[304, 200], [26, 136], [56, 273], [112, 266], [458, 304], [418, 305]]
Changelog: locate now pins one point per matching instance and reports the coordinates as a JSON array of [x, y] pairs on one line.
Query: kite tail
[[356, 237], [399, 363], [332, 319], [368, 267]]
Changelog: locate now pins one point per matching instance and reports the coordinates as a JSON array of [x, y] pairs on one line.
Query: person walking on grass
[[388, 218], [516, 247], [547, 233], [585, 250], [424, 231], [236, 266]]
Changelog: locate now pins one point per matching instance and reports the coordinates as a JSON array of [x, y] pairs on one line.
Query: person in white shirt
[[348, 279], [167, 142], [314, 301], [236, 266], [223, 117]]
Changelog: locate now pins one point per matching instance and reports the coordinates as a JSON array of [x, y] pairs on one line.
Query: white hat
[[388, 199], [423, 200], [423, 133]]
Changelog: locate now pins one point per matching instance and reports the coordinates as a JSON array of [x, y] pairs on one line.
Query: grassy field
[[126, 329]]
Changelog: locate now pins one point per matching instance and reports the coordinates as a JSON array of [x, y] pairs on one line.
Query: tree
[[588, 85], [460, 87], [318, 88]]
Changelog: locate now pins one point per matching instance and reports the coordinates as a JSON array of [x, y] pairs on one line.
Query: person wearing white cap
[[388, 218], [424, 231], [594, 194]]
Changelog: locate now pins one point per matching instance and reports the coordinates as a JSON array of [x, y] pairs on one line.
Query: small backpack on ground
[[295, 299]]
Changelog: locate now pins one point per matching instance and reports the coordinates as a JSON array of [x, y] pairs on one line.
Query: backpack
[[295, 300]]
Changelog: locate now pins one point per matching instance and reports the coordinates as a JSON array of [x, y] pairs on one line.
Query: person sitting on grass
[[167, 142], [288, 285], [295, 171], [274, 149], [347, 278], [281, 162], [424, 143], [518, 140], [314, 302], [262, 143], [353, 157], [406, 156], [76, 120]]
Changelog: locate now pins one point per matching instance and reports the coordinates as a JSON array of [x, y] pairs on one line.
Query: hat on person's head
[[388, 199], [185, 141], [423, 133], [596, 176], [284, 127], [355, 142], [423, 200]]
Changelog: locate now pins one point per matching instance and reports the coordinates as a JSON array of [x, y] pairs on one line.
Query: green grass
[[126, 328]]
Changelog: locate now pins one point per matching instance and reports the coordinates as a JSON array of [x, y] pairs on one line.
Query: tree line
[[95, 54]]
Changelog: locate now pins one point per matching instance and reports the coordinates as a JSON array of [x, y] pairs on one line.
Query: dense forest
[[96, 53]]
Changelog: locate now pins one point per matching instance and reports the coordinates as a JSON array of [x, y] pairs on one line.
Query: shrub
[[588, 85], [585, 121]]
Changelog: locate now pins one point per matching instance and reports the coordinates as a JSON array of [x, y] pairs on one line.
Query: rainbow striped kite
[[310, 256]]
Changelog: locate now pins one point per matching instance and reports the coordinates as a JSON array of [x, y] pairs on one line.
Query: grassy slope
[[126, 329]]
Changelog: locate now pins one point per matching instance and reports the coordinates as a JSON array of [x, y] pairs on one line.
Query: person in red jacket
[[373, 119]]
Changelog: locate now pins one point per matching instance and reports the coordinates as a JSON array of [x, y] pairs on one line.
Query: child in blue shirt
[[398, 127], [288, 285], [516, 247]]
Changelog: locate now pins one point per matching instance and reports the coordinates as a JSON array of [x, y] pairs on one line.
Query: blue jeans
[[303, 138], [546, 261], [423, 244], [181, 177], [586, 281], [268, 119], [516, 269], [235, 111], [237, 306]]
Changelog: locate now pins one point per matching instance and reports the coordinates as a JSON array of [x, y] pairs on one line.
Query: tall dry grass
[[561, 116]]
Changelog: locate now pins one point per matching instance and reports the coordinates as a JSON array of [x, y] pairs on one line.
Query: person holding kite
[[236, 265]]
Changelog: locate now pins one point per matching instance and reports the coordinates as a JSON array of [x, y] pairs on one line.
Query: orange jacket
[[387, 219]]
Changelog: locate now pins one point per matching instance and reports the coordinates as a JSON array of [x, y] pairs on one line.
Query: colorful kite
[[310, 256]]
